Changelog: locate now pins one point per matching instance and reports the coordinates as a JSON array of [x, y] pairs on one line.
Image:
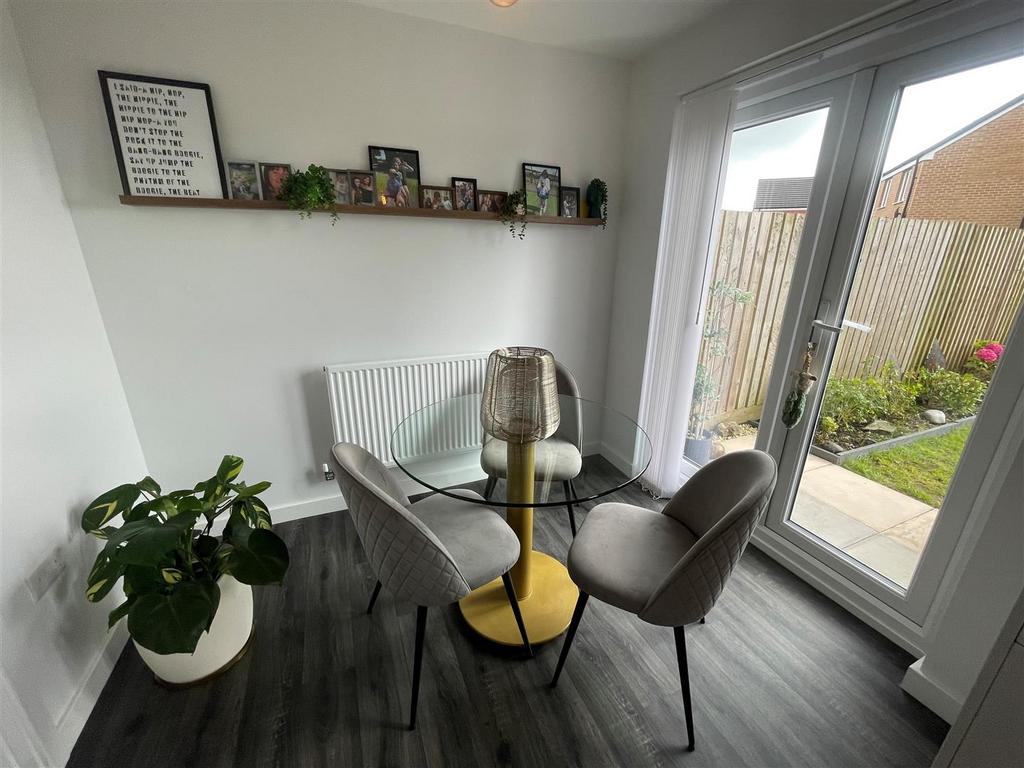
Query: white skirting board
[[940, 701]]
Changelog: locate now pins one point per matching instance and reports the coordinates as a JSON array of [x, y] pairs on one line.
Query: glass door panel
[[768, 184], [928, 272]]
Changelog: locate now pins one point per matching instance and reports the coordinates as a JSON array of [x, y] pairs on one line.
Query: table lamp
[[520, 400]]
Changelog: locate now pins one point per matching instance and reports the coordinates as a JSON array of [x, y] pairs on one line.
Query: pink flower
[[987, 355], [996, 347]]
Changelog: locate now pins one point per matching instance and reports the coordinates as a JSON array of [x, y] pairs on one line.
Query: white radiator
[[368, 400]]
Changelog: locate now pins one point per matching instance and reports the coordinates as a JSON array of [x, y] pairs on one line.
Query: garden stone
[[880, 425], [934, 416], [833, 447]]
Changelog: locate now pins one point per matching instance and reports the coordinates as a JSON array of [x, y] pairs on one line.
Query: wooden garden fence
[[918, 281]]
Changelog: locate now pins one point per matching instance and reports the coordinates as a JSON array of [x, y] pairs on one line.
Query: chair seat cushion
[[623, 553], [478, 539], [555, 459]]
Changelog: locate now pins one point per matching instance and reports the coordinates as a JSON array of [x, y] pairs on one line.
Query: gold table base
[[547, 611]]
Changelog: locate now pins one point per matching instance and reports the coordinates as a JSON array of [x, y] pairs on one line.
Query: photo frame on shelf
[[165, 136], [272, 178], [243, 181], [362, 187], [437, 198], [541, 184], [396, 176], [342, 186], [465, 193], [569, 202], [489, 200]]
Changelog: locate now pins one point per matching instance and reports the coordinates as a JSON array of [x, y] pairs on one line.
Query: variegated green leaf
[[102, 577], [107, 506], [230, 467], [171, 575], [245, 491], [161, 505], [119, 613], [149, 485]]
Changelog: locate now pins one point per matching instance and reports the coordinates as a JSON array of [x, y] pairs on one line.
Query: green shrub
[[852, 402], [957, 394], [827, 429]]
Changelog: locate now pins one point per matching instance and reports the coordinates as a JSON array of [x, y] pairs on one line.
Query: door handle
[[822, 325]]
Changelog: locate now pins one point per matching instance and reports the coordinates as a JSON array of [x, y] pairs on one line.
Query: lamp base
[[547, 611]]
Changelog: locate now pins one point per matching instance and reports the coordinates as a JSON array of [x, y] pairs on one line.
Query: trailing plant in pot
[[310, 190], [178, 577], [513, 213], [597, 201]]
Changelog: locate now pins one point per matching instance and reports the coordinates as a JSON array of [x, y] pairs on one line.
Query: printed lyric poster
[[165, 136]]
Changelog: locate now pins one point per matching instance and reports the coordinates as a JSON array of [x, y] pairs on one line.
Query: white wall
[[221, 320], [67, 435], [735, 36]]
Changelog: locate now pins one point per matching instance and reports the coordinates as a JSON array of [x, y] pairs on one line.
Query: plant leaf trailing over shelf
[[310, 190], [513, 213], [169, 566]]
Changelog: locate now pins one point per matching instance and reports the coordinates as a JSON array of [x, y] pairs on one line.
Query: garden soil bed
[[844, 456]]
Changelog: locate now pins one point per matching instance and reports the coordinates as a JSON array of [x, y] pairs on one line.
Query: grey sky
[[928, 113]]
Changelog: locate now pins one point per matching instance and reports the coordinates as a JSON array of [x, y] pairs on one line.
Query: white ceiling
[[622, 29]]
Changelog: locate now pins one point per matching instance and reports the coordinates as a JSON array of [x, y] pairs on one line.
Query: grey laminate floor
[[781, 677]]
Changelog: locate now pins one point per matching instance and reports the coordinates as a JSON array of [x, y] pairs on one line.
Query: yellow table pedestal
[[546, 612], [546, 594]]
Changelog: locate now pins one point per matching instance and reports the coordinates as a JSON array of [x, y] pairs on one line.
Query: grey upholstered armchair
[[431, 553], [559, 458], [670, 567]]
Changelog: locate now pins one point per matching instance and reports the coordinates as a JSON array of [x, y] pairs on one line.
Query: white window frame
[[884, 199], [904, 188]]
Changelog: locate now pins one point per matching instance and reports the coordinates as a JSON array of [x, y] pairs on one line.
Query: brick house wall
[[977, 178]]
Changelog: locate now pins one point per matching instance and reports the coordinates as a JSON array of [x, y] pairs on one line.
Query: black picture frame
[[565, 193], [106, 75], [458, 184], [412, 174], [265, 189], [366, 195], [540, 208], [426, 189]]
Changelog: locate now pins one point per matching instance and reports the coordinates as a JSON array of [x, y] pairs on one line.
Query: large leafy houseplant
[[168, 558]]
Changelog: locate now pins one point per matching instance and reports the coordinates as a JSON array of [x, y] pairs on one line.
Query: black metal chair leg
[[417, 664], [684, 680], [702, 620], [510, 590], [489, 488], [577, 614], [373, 599], [569, 495]]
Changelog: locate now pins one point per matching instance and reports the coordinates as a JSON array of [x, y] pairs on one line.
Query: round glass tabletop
[[595, 451]]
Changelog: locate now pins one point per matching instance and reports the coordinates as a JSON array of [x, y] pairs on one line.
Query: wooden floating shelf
[[370, 210]]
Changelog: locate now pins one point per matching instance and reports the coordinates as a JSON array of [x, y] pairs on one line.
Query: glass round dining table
[[594, 451]]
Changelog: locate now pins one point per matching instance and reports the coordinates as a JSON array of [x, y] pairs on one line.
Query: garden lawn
[[921, 470]]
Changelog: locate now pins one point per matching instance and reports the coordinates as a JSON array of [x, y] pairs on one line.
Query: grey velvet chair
[[670, 567], [559, 458], [431, 553]]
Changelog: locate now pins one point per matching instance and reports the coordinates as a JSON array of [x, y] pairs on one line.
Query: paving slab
[[887, 556], [865, 500], [914, 532], [827, 522]]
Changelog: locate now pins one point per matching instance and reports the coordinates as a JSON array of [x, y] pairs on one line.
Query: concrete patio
[[879, 527]]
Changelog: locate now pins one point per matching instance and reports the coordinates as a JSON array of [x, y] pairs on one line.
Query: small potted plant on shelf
[[188, 594], [513, 213], [597, 201], [310, 190]]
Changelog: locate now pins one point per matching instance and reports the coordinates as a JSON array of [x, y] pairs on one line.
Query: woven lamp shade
[[520, 401]]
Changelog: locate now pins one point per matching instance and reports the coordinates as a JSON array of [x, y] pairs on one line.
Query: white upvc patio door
[[863, 111]]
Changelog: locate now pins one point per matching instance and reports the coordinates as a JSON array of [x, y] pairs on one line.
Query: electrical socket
[[46, 573], [328, 473]]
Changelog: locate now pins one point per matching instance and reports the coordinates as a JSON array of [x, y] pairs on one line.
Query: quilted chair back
[[570, 426], [721, 504], [408, 559]]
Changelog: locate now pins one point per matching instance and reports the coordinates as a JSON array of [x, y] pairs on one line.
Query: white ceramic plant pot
[[217, 649]]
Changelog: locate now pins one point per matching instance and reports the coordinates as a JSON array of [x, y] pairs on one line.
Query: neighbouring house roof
[[783, 194], [956, 135]]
